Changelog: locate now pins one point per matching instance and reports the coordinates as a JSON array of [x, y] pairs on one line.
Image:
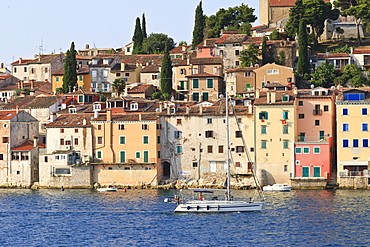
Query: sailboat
[[214, 204]]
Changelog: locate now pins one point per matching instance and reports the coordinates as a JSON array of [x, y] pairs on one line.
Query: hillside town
[[284, 127]]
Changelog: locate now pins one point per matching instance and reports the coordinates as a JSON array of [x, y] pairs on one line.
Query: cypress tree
[[166, 74], [143, 26], [70, 70], [303, 64], [138, 37], [199, 25], [264, 51]]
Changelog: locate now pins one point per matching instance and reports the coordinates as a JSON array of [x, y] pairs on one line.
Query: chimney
[[32, 84], [20, 60], [84, 121], [187, 110], [188, 61], [2, 65], [168, 110], [96, 114], [109, 115], [250, 108], [268, 97], [22, 84], [200, 109], [35, 141], [19, 84], [257, 93], [52, 116], [87, 46], [295, 91], [46, 80], [140, 117], [273, 96], [17, 109]]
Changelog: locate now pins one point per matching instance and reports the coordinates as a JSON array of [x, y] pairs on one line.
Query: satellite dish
[[312, 86], [221, 96]]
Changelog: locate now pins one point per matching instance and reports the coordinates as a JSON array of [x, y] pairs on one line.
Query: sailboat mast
[[228, 197]]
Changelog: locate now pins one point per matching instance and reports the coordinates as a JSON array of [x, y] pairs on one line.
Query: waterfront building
[[315, 137], [69, 149], [16, 128], [275, 128], [127, 148], [352, 110]]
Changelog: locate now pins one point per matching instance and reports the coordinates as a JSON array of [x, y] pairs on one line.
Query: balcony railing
[[317, 112], [311, 139], [364, 173]]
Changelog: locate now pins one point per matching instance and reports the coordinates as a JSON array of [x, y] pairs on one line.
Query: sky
[[33, 26]]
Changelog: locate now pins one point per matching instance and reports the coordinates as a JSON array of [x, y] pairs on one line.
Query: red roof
[[27, 146], [140, 88], [256, 27], [7, 115], [361, 51], [4, 77], [331, 55]]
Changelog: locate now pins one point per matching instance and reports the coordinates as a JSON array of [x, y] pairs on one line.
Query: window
[[345, 143], [100, 140], [159, 126], [209, 120], [2, 157], [345, 111], [285, 144], [122, 156], [300, 116], [99, 154], [62, 171], [354, 96], [61, 130], [195, 96], [121, 126], [76, 130], [15, 70], [237, 52], [365, 127], [137, 155], [365, 143], [177, 134], [57, 79], [205, 96], [306, 150], [145, 127], [209, 133], [247, 74], [240, 149], [285, 115], [345, 127], [220, 149], [273, 71], [355, 143], [237, 164], [237, 63], [195, 83], [99, 126], [145, 139], [238, 134], [300, 103], [127, 168], [285, 168], [25, 69], [209, 149], [179, 121], [182, 71], [364, 111], [298, 150], [178, 149], [263, 144], [122, 140], [326, 108], [285, 98], [154, 77], [127, 74], [263, 129], [195, 164], [146, 156], [158, 139], [209, 83], [134, 106], [316, 150], [317, 122], [118, 74], [76, 141], [285, 129], [80, 77], [263, 115]]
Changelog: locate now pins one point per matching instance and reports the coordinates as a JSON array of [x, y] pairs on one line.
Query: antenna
[[41, 48], [94, 44]]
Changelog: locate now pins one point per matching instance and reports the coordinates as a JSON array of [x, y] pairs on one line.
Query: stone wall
[[354, 182], [311, 183]]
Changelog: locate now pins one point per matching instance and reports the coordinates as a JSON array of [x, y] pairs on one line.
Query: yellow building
[[274, 135], [83, 79], [353, 137], [274, 73], [126, 148]]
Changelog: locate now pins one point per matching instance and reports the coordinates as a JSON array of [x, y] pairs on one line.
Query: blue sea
[[141, 218]]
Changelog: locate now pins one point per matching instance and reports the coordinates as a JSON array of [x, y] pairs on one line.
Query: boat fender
[[197, 207], [207, 207], [218, 207], [188, 207]]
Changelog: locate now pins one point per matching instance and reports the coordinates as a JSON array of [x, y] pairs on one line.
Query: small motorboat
[[109, 189], [277, 187]]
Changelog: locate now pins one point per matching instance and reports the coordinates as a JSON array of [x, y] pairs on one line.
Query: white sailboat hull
[[218, 206]]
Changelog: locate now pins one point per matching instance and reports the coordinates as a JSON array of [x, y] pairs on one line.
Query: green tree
[[166, 73], [249, 56], [199, 25], [324, 75], [156, 95], [118, 86], [343, 49], [137, 38], [156, 43], [314, 13], [275, 35], [143, 26], [281, 59], [265, 58], [303, 63], [236, 18], [360, 9], [183, 42], [351, 76], [70, 70]]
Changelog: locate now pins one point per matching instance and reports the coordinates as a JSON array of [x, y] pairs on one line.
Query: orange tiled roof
[[4, 77], [27, 146], [7, 115], [140, 88], [179, 49], [72, 120], [361, 51], [203, 75], [262, 100], [331, 55]]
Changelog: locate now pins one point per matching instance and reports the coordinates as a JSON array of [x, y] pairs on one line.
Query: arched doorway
[[166, 170]]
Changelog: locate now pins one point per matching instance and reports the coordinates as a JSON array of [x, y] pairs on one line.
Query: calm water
[[141, 218]]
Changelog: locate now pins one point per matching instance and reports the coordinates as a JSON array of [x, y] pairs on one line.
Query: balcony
[[311, 139], [180, 88], [364, 173], [317, 112]]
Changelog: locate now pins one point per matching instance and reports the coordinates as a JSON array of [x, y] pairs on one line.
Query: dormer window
[[97, 107], [182, 71], [72, 110], [354, 96], [285, 98], [106, 61], [134, 106], [273, 71], [95, 61]]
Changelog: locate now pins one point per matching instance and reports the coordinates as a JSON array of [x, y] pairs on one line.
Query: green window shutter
[[99, 154], [57, 78], [263, 129], [137, 155], [195, 83], [122, 140], [81, 98], [285, 144], [285, 129], [205, 96], [179, 149], [146, 156], [316, 172], [263, 145], [122, 156], [195, 96], [80, 77], [285, 115], [145, 139], [209, 83]]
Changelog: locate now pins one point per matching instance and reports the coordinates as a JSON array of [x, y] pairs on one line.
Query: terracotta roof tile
[[7, 115], [150, 69], [84, 69], [82, 91], [262, 100], [331, 55], [27, 146], [232, 39], [72, 120], [203, 75], [179, 49], [361, 51], [140, 88], [4, 77], [129, 117]]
